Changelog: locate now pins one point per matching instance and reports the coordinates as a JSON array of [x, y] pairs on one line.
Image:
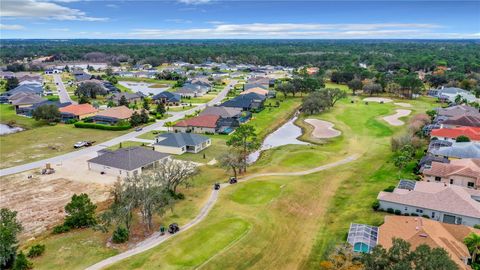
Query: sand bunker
[[323, 129], [378, 99], [393, 119], [402, 104]]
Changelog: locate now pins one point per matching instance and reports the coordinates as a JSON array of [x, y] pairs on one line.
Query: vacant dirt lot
[[40, 200]]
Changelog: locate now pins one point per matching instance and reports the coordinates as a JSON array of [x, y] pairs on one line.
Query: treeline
[[461, 56]]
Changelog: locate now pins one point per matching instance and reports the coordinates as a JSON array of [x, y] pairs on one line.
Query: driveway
[[129, 136], [62, 91]]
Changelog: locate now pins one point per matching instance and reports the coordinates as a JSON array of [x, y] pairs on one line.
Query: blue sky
[[185, 19]]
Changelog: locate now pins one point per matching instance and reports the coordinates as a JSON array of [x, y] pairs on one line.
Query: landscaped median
[[82, 124]]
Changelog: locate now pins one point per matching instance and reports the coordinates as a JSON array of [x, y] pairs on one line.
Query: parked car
[[216, 186], [233, 180], [139, 129], [173, 228]]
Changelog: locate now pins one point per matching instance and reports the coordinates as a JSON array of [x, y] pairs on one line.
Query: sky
[[240, 19]]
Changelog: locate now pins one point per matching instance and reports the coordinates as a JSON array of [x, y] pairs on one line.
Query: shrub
[[425, 216], [120, 235], [71, 121], [101, 126], [414, 215], [462, 138], [375, 205], [21, 262], [36, 250], [406, 214], [389, 189], [476, 226], [398, 212], [61, 229], [390, 210]]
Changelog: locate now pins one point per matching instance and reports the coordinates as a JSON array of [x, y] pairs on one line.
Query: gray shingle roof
[[129, 158], [222, 111], [180, 139]]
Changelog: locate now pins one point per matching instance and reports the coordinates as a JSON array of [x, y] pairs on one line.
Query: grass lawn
[[8, 116], [178, 108], [41, 141], [217, 148], [148, 80], [296, 220], [203, 99], [123, 88], [126, 144]]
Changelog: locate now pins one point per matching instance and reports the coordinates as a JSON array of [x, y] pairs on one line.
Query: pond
[[145, 88], [286, 134], [6, 129]]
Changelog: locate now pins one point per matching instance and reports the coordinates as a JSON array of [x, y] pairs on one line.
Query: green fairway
[[256, 192], [191, 250]]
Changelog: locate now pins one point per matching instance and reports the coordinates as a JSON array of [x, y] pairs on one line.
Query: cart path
[[156, 239]]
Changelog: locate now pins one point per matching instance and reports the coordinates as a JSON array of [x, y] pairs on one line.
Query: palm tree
[[472, 241]]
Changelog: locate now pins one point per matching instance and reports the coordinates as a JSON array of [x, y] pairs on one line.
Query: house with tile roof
[[179, 143], [459, 121], [461, 172], [125, 162], [451, 134], [439, 201], [198, 124], [422, 231], [168, 98], [77, 111], [456, 150], [457, 110], [113, 115]]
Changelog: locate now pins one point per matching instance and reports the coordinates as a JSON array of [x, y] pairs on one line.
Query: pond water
[[143, 87], [6, 129], [286, 134]]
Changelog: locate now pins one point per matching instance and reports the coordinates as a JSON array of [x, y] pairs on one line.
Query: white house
[[179, 143]]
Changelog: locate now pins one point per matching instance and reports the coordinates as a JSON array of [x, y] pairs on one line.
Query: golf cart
[[232, 180], [173, 228], [216, 186]]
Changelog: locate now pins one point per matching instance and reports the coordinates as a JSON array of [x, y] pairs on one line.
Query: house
[[168, 98], [198, 124], [422, 231], [457, 150], [363, 238], [439, 201], [227, 125], [36, 89], [249, 102], [458, 110], [81, 76], [248, 86], [53, 71], [113, 115], [28, 76], [179, 143], [26, 101], [426, 161], [125, 162], [6, 74], [224, 112], [28, 111], [130, 97], [461, 172], [257, 90], [450, 134], [77, 111], [192, 90], [464, 120], [451, 93]]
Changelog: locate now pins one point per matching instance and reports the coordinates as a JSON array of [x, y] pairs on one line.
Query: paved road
[[62, 91], [156, 126], [156, 239]]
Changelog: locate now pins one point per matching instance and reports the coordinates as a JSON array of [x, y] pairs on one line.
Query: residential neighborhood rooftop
[[129, 158]]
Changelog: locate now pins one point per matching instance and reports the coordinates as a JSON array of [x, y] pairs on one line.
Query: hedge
[[101, 126]]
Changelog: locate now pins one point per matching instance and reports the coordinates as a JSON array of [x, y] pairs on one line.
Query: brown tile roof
[[437, 196], [78, 109], [458, 110], [120, 112], [468, 167], [257, 90], [471, 132], [208, 121], [464, 120], [418, 231]]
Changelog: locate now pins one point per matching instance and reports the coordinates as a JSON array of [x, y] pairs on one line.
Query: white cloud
[[177, 21], [11, 27], [194, 2], [44, 10], [292, 30]]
